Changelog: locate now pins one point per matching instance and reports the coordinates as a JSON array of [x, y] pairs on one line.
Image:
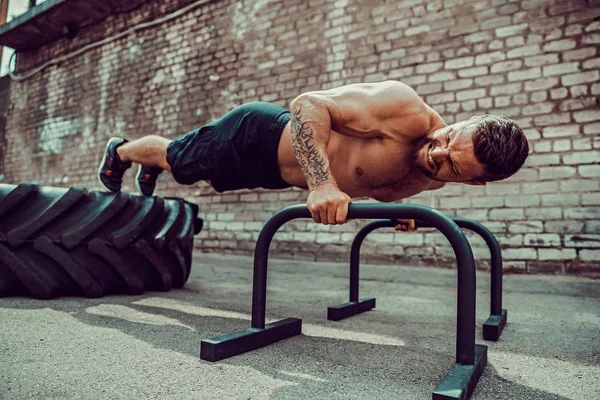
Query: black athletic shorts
[[236, 151]]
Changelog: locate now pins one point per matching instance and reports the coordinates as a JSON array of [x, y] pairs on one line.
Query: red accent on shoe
[[108, 172]]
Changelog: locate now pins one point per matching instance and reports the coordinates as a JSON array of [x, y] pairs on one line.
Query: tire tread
[[74, 242]]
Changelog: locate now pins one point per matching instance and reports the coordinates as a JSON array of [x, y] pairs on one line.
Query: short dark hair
[[500, 146]]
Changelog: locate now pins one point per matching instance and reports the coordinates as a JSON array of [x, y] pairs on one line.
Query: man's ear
[[475, 183]]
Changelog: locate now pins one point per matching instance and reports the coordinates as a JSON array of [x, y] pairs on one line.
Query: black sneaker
[[110, 173], [145, 179]]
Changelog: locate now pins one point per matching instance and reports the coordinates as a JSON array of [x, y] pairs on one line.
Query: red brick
[[557, 254], [542, 240], [506, 89], [583, 157], [558, 199], [539, 96], [589, 171], [429, 88], [458, 84], [579, 54], [558, 131], [461, 62], [542, 159], [560, 45], [544, 213], [475, 71], [538, 108], [511, 30], [587, 15], [515, 41], [590, 38], [560, 69], [429, 68], [545, 25], [525, 74], [442, 76], [586, 116], [544, 59], [519, 254], [582, 144], [470, 94], [593, 26], [542, 146], [589, 255], [528, 50], [507, 214], [590, 199], [592, 129], [573, 30], [478, 37], [593, 63], [440, 98], [502, 101], [489, 80], [497, 22], [553, 119], [579, 78]]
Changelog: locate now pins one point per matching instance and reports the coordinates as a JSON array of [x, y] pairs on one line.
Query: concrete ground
[[147, 347]]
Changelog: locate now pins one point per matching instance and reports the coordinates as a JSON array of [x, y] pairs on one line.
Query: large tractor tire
[[73, 242]]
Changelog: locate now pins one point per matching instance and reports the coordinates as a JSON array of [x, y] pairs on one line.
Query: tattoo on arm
[[315, 167]]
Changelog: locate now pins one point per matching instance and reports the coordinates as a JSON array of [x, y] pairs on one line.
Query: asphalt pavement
[[147, 346]]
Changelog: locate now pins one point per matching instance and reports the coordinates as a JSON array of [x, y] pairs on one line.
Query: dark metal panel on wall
[[54, 19]]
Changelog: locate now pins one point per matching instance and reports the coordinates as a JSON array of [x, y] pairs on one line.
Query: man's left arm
[[405, 225], [408, 225]]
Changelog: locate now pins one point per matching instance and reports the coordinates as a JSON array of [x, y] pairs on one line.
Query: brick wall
[[536, 61]]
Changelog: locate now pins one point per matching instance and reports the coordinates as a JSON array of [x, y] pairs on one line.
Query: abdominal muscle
[[375, 168]]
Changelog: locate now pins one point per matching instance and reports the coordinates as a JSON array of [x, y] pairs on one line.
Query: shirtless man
[[377, 140]]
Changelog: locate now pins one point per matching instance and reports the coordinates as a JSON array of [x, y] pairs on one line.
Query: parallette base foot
[[339, 312]]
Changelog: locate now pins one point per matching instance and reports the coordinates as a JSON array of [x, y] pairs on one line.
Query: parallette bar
[[225, 346], [493, 327], [462, 379], [339, 312]]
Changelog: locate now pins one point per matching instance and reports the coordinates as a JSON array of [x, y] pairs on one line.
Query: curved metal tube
[[495, 258], [486, 234], [355, 253], [465, 335]]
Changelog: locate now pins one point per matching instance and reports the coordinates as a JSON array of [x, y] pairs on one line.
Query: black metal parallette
[[225, 346], [465, 373], [492, 328], [339, 312], [494, 325], [462, 379]]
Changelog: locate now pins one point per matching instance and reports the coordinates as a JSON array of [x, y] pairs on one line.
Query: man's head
[[483, 149]]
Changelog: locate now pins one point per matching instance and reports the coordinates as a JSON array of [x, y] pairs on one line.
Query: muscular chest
[[371, 163], [375, 168]]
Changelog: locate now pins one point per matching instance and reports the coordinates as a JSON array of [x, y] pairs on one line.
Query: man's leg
[[149, 151]]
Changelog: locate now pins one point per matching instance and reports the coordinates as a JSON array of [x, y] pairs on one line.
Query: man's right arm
[[310, 132]]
